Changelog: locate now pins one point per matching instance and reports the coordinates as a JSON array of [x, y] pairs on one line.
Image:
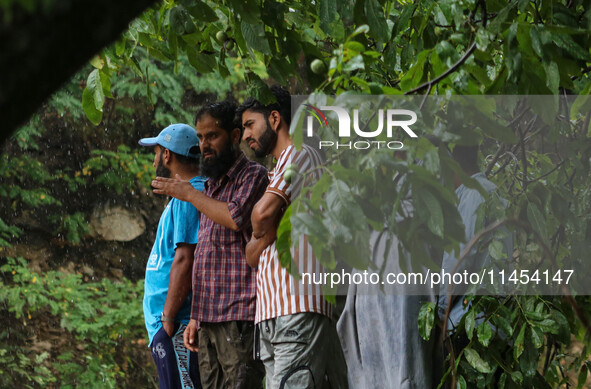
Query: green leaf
[[548, 325], [95, 86], [259, 90], [363, 29], [537, 316], [254, 35], [564, 330], [354, 46], [204, 63], [319, 190], [403, 21], [567, 43], [552, 76], [497, 24], [283, 243], [484, 333], [469, 324], [536, 41], [495, 250], [249, 10], [503, 324], [479, 74], [519, 343], [546, 108], [517, 377], [304, 223], [354, 63], [430, 211], [482, 39], [177, 20], [327, 10], [490, 126], [97, 62], [461, 384], [173, 44], [352, 255], [106, 86], [342, 206], [120, 47], [414, 76], [148, 87], [537, 337], [446, 51], [476, 361], [582, 103], [528, 362], [536, 219], [426, 320], [200, 10], [88, 105], [378, 28], [582, 378]]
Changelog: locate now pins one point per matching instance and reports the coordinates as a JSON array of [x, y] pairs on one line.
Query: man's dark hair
[[223, 112], [282, 105]]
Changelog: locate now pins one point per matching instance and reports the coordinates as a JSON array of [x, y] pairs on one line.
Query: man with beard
[[167, 298], [224, 287], [298, 342]]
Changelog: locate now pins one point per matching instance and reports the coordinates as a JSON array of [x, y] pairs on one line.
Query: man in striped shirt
[[224, 287], [298, 342]]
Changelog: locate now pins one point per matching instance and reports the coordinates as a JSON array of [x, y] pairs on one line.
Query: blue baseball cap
[[178, 138]]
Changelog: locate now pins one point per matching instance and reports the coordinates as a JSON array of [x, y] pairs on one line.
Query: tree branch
[[545, 249], [494, 160], [429, 84], [547, 173]]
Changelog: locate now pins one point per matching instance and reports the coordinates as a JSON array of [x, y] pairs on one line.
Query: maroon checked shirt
[[224, 286]]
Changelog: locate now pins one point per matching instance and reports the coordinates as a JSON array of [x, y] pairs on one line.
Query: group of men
[[220, 310]]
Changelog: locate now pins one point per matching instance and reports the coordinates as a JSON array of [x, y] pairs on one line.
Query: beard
[[217, 166], [161, 170], [266, 141]]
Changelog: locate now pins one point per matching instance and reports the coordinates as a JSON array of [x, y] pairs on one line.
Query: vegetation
[[103, 322], [439, 48], [74, 322]]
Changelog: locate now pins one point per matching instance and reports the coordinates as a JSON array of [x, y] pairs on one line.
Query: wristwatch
[[164, 318]]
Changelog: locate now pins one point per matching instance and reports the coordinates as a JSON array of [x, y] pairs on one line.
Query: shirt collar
[[236, 167], [197, 179], [241, 160]]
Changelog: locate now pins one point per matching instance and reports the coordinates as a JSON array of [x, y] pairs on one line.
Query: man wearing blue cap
[[167, 297]]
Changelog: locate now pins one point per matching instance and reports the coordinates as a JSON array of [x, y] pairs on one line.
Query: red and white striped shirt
[[278, 292]]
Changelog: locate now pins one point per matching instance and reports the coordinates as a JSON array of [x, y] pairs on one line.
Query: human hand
[[253, 251], [190, 336], [174, 187]]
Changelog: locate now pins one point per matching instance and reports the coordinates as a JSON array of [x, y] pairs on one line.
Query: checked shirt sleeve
[[249, 190]]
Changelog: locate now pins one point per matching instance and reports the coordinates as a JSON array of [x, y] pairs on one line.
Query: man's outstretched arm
[[216, 210]]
